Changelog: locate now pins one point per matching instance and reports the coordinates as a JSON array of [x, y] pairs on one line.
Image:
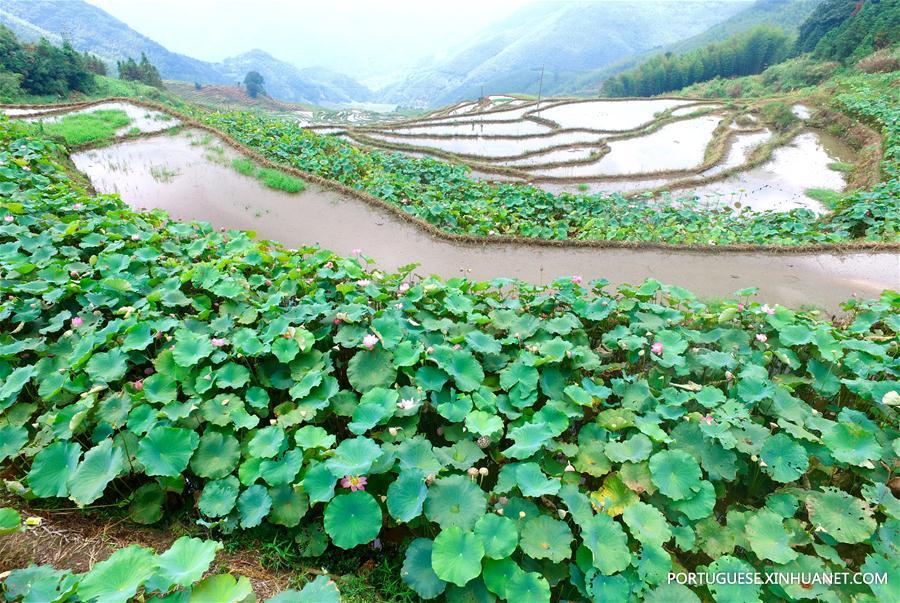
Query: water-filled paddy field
[[719, 154], [199, 186]]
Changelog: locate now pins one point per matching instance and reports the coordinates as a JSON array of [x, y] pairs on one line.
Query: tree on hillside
[[93, 64], [144, 72], [254, 82], [41, 69]]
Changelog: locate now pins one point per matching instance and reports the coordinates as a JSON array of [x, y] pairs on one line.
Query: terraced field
[[702, 150]]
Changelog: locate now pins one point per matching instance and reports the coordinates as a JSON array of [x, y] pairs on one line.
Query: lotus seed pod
[[483, 442], [521, 514], [392, 431], [472, 471], [483, 471]]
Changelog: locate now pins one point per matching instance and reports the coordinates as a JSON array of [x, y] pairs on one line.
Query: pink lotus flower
[[740, 307], [369, 341], [657, 348], [404, 287], [337, 321], [138, 385], [8, 218], [217, 342], [77, 206], [364, 282], [761, 337], [354, 482], [77, 322], [577, 279], [768, 310], [135, 237], [355, 251], [708, 419], [405, 404]]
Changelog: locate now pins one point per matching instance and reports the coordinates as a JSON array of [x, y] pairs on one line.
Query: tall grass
[[82, 128], [274, 179]]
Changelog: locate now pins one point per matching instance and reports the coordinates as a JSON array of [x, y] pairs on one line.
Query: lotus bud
[[521, 514], [440, 431], [483, 471], [393, 431], [641, 353], [754, 458], [272, 421], [569, 468], [729, 375], [500, 511], [562, 513]]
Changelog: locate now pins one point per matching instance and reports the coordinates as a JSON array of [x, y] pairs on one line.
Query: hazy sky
[[363, 38]]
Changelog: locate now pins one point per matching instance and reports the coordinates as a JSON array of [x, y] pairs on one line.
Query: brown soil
[[73, 540]]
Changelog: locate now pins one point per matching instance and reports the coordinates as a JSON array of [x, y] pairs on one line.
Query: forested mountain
[[91, 29], [786, 14], [744, 54], [850, 29], [567, 39]]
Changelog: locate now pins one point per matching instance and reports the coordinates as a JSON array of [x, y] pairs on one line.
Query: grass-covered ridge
[[445, 196], [566, 439]]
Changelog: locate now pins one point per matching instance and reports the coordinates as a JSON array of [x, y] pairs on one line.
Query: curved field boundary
[[833, 248]]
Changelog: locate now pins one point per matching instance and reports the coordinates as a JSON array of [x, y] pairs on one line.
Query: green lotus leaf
[[190, 348], [10, 521], [368, 369], [417, 572], [117, 579], [313, 436], [531, 481], [107, 367], [654, 564], [700, 505], [767, 537], [882, 565], [785, 459], [39, 584], [166, 450], [455, 501], [461, 365], [253, 504], [647, 524], [406, 495], [100, 465], [147, 504], [607, 588], [13, 384], [321, 590], [184, 562], [496, 575], [222, 588], [484, 423], [354, 456], [462, 455], [608, 544], [266, 442], [614, 497], [482, 343], [843, 517], [577, 503], [160, 389], [218, 496], [216, 455], [51, 468], [289, 505], [352, 519], [528, 586], [232, 376], [498, 535], [375, 406], [319, 483], [546, 538], [736, 592], [592, 459], [675, 473], [852, 440], [282, 470], [137, 338], [634, 449], [671, 593], [285, 349], [456, 555]]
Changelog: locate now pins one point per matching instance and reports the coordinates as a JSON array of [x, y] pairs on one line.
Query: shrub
[[883, 61]]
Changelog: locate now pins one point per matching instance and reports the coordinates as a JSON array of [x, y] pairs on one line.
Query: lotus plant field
[[506, 441]]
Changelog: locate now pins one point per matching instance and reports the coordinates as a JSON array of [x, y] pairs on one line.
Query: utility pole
[[540, 89]]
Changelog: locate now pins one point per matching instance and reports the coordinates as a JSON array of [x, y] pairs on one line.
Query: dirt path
[[196, 187]]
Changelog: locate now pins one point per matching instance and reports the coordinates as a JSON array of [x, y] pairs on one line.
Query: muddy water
[[608, 115], [781, 183], [489, 148], [18, 112], [508, 128], [212, 192], [676, 146], [739, 150]]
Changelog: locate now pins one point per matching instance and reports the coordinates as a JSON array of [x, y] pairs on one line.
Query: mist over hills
[[576, 44], [92, 29]]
